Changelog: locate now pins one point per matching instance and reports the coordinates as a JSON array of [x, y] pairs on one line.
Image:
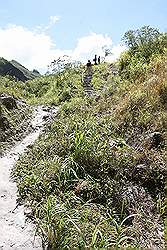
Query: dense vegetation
[[96, 177], [14, 118]]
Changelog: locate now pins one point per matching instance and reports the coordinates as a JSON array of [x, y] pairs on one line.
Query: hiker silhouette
[[89, 63], [95, 60], [89, 67]]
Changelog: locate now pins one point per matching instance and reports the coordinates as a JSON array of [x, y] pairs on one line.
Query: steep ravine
[[15, 231]]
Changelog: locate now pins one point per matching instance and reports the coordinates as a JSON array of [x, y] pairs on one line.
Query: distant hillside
[[15, 69]]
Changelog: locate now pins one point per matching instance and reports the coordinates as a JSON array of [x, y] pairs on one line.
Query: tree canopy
[[145, 42]]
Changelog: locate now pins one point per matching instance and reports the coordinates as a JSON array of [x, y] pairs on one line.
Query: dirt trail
[[15, 231]]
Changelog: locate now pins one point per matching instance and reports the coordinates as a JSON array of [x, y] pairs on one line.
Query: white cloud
[[46, 28], [35, 49], [54, 19], [90, 45], [32, 49]]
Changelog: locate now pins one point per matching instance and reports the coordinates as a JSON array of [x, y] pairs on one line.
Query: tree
[[63, 63], [143, 42], [107, 51], [143, 45], [59, 64]]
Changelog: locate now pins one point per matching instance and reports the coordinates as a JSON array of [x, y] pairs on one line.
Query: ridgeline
[[16, 70]]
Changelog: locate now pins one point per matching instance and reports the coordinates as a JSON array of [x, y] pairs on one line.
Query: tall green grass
[[75, 175]]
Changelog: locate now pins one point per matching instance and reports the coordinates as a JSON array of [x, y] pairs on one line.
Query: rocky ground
[[15, 231]]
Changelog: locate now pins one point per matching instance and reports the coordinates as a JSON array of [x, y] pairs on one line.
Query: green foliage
[[56, 88], [74, 175], [13, 124], [52, 89], [101, 76], [143, 44], [92, 179], [11, 87]]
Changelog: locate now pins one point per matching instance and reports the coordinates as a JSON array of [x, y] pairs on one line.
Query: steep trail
[[15, 231], [88, 86], [89, 91]]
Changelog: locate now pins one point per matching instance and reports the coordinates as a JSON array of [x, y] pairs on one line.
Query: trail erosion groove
[[15, 231]]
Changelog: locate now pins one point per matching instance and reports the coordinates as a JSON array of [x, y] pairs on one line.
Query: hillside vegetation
[[96, 178], [14, 113], [16, 70]]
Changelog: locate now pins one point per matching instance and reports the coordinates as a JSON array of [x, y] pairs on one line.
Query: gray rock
[[156, 139], [4, 123], [8, 101]]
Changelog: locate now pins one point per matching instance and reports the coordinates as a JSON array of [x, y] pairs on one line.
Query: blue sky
[[65, 27]]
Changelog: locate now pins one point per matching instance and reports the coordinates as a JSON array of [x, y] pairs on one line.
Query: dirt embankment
[[15, 116]]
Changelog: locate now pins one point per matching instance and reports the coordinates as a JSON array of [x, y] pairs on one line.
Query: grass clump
[[11, 87], [13, 125], [57, 88]]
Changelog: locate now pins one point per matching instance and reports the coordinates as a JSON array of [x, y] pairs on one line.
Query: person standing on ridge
[[95, 59], [98, 60]]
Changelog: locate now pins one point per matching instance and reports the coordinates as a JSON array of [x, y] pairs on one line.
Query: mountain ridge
[[16, 70]]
